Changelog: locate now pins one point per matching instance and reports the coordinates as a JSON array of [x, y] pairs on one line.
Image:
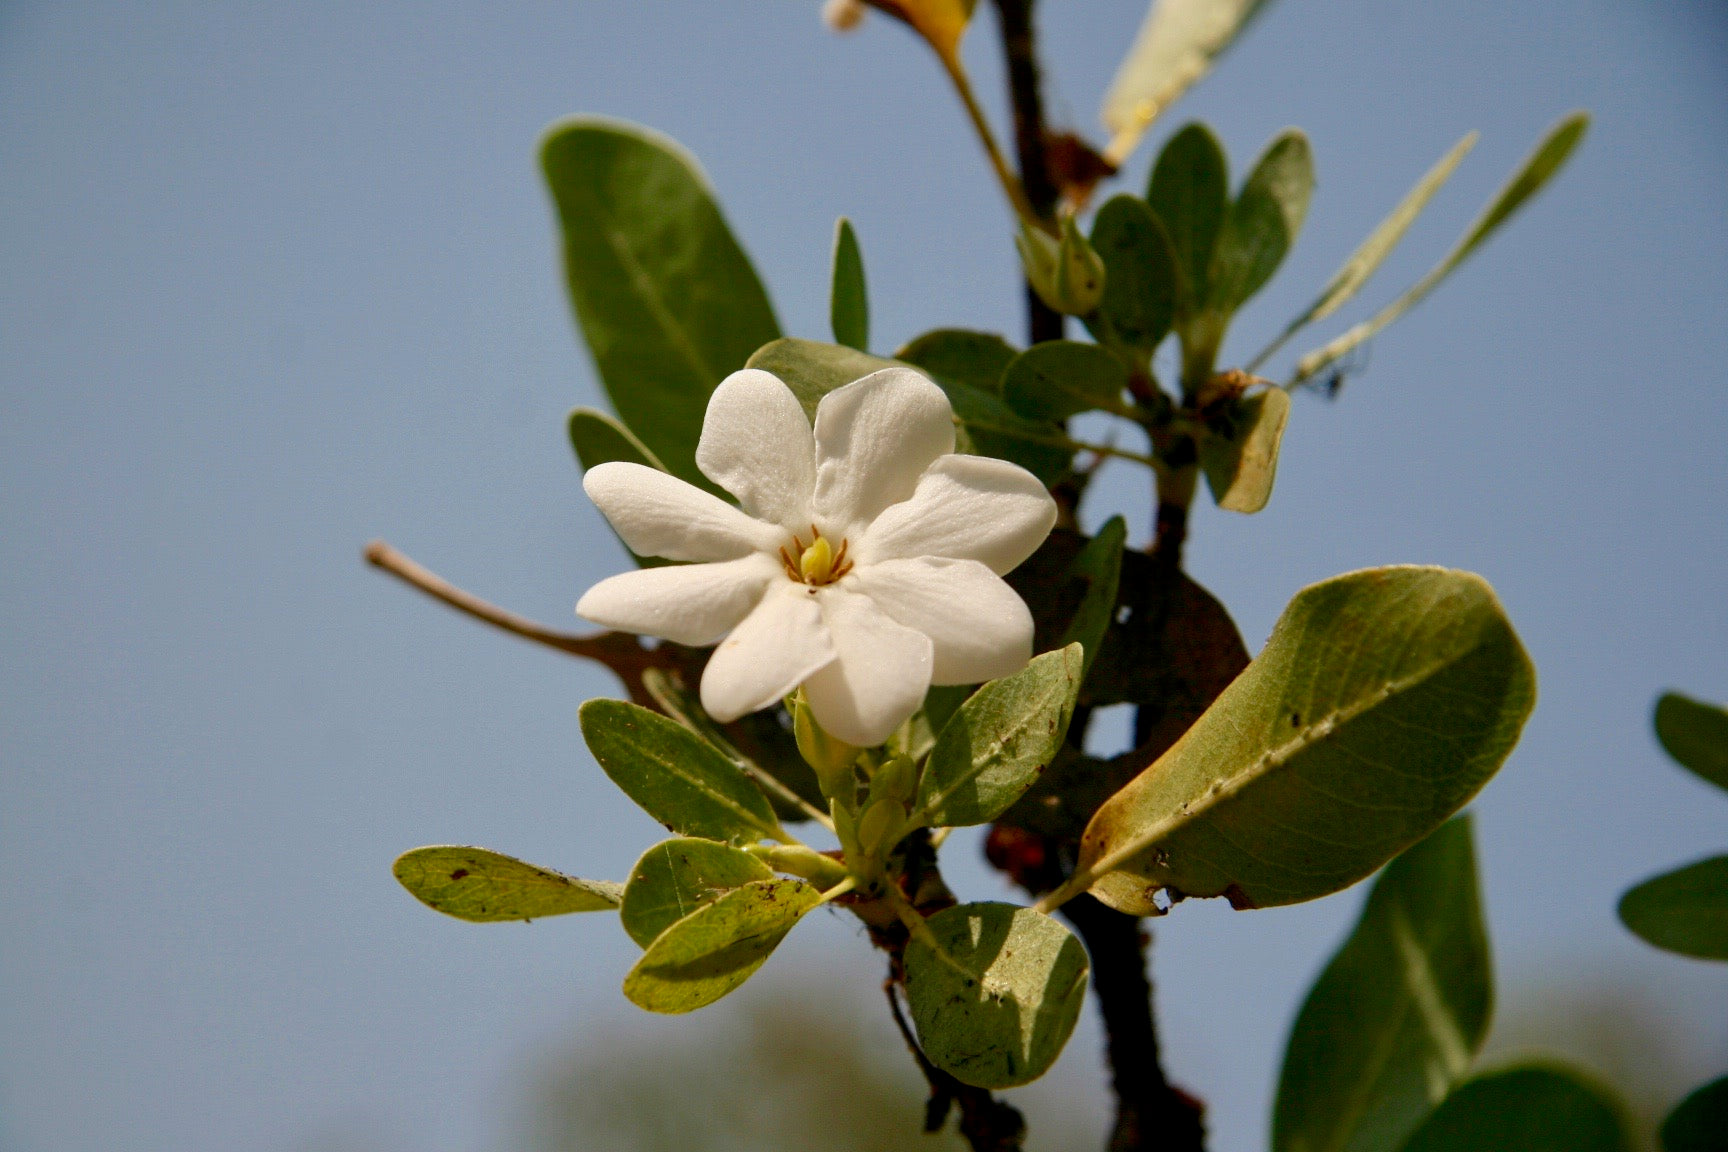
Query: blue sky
[[277, 279]]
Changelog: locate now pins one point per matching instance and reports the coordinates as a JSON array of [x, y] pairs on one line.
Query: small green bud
[[1066, 272], [802, 860], [879, 826], [831, 759], [897, 780]]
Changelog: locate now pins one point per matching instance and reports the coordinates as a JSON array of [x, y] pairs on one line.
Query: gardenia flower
[[864, 561]]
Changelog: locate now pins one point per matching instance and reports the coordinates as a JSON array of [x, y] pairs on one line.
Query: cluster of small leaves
[[1686, 910]]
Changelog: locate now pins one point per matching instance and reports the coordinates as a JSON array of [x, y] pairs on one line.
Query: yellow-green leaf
[[1241, 465], [710, 952], [475, 884], [676, 877]]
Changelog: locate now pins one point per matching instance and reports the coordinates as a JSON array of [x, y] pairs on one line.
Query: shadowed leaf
[[1140, 277], [1695, 734], [1240, 467], [995, 992], [1684, 911], [1700, 1123], [1399, 1013], [1535, 1108], [848, 304]]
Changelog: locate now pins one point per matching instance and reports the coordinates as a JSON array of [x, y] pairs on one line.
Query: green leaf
[[813, 369], [677, 777], [702, 957], [1533, 1108], [667, 301], [1698, 1124], [1382, 702], [1099, 564], [676, 877], [1695, 734], [474, 884], [1399, 1013], [1684, 911], [1263, 222], [994, 991], [1535, 172], [1140, 277], [1063, 378], [1190, 194], [1176, 47], [1240, 467], [601, 439], [995, 746], [1355, 272], [848, 304], [976, 359]]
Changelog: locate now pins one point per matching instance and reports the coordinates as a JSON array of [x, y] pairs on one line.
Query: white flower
[[865, 563]]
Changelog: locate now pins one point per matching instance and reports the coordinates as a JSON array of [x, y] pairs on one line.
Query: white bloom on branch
[[865, 560]]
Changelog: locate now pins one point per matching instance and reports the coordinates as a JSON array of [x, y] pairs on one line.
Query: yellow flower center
[[816, 563]]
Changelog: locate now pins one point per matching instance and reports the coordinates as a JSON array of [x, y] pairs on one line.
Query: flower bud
[[879, 826], [843, 15], [801, 860], [896, 780], [831, 759], [1066, 272]]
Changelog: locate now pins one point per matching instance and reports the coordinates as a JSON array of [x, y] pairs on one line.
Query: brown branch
[[988, 1124], [1030, 143], [622, 652], [1151, 1114]]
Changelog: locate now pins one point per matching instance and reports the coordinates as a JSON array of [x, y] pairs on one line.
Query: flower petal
[[874, 438], [693, 604], [965, 508], [880, 677], [757, 444], [776, 647], [660, 515], [980, 626]]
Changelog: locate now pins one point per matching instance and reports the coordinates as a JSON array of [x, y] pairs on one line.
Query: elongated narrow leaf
[[1533, 1108], [1356, 271], [708, 953], [1695, 734], [1399, 1013], [1001, 739], [1099, 564], [1700, 1123], [848, 303], [1140, 278], [1240, 467], [1382, 702], [474, 884], [1684, 911], [1175, 47], [995, 992], [677, 777], [1189, 192], [977, 359], [1535, 172], [676, 877], [666, 298], [1262, 223], [1063, 378]]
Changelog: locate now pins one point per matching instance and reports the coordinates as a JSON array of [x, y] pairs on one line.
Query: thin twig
[[622, 652], [988, 1124]]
